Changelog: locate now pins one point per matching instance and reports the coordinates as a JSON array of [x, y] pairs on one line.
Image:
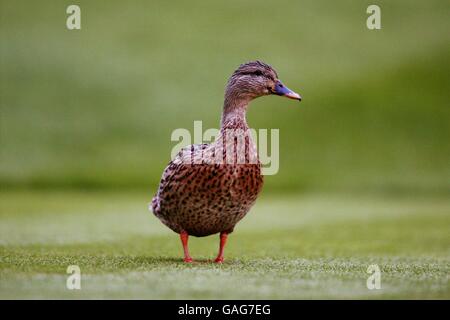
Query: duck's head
[[254, 79]]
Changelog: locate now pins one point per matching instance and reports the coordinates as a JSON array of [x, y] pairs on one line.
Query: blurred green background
[[95, 108], [86, 119]]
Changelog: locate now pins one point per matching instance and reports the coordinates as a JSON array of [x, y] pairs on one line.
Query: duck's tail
[[154, 206]]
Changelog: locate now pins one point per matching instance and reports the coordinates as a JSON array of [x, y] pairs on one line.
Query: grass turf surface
[[94, 109], [297, 246]]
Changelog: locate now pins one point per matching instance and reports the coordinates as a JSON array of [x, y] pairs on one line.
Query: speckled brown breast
[[204, 199]]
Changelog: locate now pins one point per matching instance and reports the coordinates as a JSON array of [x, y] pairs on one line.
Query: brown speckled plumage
[[199, 195], [204, 199]]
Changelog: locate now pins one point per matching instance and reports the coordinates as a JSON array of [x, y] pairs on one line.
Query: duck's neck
[[233, 115], [234, 132]]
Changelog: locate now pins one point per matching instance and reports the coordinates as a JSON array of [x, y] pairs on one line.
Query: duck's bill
[[282, 90]]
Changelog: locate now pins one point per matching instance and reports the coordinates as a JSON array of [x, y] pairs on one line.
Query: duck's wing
[[176, 175]]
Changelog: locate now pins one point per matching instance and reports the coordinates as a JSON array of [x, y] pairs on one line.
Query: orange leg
[[223, 241], [184, 240]]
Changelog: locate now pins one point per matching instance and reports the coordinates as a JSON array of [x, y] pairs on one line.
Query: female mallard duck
[[208, 188]]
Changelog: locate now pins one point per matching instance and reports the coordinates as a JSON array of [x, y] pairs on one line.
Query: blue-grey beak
[[281, 90]]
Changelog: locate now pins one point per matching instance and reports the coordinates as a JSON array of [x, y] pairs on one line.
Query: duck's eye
[[258, 73]]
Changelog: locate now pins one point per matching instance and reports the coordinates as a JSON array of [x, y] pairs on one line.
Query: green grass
[[297, 246], [86, 117]]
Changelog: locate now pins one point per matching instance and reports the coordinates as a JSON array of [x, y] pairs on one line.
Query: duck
[[208, 188]]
